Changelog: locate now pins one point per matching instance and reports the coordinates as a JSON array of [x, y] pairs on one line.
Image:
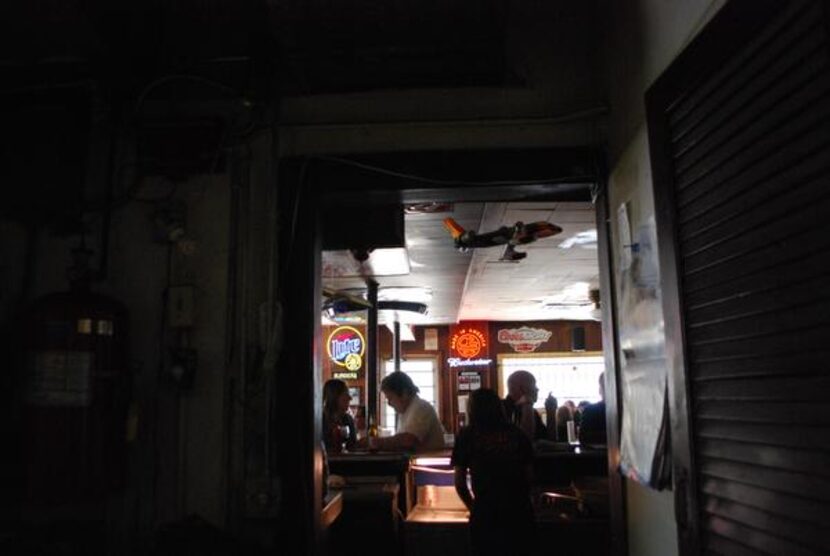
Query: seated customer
[[419, 429], [338, 426], [499, 458], [592, 429], [522, 393]]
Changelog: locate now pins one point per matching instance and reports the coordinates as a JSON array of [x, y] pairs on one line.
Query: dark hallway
[[199, 199]]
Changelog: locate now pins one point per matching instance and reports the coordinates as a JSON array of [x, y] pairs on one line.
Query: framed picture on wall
[[354, 392]]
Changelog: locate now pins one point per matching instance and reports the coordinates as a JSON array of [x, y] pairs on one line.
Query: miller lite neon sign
[[346, 347]]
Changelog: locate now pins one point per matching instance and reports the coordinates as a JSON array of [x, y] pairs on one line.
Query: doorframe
[[613, 393], [304, 186]]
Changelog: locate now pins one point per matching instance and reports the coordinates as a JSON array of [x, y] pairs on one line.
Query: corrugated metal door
[[740, 134]]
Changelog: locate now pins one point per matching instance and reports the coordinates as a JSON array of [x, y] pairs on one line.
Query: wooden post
[[372, 354]]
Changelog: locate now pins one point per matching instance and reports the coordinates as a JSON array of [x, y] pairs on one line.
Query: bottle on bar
[[373, 428], [372, 433]]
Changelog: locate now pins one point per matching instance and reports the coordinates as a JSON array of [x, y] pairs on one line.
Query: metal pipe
[[372, 353], [472, 122]]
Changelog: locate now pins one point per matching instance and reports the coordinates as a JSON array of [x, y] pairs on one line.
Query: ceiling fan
[[351, 300]]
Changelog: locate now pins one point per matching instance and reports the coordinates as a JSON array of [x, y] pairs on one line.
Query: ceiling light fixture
[[391, 261], [585, 240], [405, 293], [427, 208], [566, 304]]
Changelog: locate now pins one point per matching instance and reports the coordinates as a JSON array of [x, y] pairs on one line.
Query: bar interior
[[459, 313]]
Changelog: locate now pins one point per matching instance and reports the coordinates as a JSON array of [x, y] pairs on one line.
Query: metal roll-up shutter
[[741, 155]]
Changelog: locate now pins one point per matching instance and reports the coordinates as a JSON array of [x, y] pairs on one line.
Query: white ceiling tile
[[475, 284]]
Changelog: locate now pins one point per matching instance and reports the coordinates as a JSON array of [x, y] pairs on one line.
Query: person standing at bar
[[338, 426], [499, 458], [522, 393], [593, 430], [551, 405], [419, 429]]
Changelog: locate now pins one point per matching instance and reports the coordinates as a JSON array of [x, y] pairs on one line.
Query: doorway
[[560, 175]]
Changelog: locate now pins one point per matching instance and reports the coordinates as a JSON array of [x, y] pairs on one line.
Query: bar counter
[[332, 507], [364, 463], [556, 465], [389, 492]]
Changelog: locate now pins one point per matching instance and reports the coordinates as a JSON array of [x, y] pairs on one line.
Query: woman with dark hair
[[338, 425], [499, 458], [419, 429]]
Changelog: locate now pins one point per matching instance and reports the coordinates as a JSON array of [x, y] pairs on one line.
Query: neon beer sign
[[346, 346], [524, 339], [468, 342], [468, 347]]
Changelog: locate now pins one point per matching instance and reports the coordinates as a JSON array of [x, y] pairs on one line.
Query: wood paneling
[[560, 341]]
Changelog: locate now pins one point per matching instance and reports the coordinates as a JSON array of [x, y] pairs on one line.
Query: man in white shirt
[[419, 429]]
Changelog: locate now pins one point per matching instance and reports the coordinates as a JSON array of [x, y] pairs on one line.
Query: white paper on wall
[[643, 364], [462, 404]]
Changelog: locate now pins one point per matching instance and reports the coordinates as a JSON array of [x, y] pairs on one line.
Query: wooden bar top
[[369, 456], [332, 507]]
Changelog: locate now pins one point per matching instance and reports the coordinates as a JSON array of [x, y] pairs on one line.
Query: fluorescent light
[[354, 318], [578, 289], [388, 262], [576, 294], [416, 294], [431, 461], [585, 240], [393, 261], [584, 312]]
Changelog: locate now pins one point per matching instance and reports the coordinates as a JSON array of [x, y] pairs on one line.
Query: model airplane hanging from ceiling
[[511, 236]]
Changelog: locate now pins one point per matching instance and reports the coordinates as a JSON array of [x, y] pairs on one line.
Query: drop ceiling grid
[[516, 291], [474, 285]]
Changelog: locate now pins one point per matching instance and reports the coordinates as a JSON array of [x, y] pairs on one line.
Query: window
[[422, 372], [569, 378]]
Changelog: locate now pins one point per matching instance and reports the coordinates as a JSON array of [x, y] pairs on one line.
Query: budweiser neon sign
[[524, 339], [458, 362], [468, 342]]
